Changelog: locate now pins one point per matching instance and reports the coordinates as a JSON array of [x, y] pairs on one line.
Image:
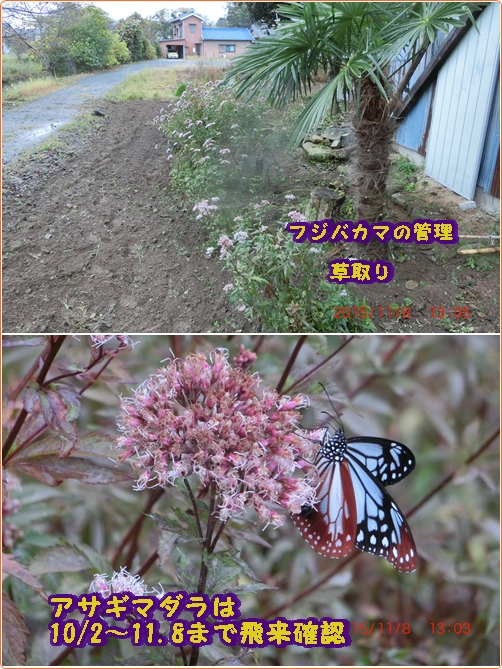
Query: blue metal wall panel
[[411, 130], [492, 144], [464, 94]]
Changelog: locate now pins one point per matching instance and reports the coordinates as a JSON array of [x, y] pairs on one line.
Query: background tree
[[237, 16], [89, 39], [134, 32], [264, 12], [38, 27], [181, 11], [357, 45], [64, 37], [159, 25]]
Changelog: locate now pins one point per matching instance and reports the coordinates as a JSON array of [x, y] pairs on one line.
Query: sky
[[120, 10]]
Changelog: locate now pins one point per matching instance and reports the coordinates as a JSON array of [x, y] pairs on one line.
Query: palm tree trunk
[[374, 132]]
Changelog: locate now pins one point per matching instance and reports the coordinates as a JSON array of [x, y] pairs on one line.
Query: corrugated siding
[[412, 129], [492, 144], [429, 55], [462, 106]]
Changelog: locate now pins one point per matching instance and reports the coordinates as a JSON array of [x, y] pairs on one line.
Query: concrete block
[[469, 204]]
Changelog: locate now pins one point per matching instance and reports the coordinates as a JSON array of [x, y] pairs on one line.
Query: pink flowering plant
[[222, 154], [206, 427], [213, 141], [273, 279], [194, 489]]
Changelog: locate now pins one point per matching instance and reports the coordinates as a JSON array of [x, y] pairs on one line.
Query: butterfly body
[[353, 508]]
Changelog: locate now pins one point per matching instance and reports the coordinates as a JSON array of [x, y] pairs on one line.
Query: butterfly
[[353, 508]]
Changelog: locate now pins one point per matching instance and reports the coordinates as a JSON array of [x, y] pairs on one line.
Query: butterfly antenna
[[332, 406]]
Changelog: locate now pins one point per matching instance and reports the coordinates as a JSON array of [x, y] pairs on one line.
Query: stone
[[317, 139], [332, 133], [399, 199], [324, 204], [469, 204], [98, 112], [317, 152]]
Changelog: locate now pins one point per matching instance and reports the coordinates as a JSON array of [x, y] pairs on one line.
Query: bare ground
[[93, 241]]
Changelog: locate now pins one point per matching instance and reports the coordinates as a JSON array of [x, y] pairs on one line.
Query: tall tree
[[264, 12], [38, 27], [357, 45], [238, 15], [160, 25], [133, 31]]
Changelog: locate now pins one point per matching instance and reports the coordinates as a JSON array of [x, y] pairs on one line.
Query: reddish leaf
[[68, 557], [13, 568], [88, 444], [31, 397], [51, 469], [60, 409], [14, 633], [41, 461]]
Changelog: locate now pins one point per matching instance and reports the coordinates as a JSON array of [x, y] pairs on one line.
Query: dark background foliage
[[436, 394]]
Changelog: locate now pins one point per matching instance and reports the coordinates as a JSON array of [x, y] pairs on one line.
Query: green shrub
[[118, 53]]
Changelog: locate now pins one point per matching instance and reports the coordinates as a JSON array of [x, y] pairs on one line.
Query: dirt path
[[24, 127], [92, 241]]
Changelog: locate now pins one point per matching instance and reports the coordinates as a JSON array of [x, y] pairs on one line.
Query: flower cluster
[[201, 416], [124, 341], [207, 130], [205, 209], [296, 216], [122, 581]]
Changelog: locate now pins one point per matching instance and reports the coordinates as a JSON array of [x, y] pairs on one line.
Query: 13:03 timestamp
[[448, 628], [448, 312]]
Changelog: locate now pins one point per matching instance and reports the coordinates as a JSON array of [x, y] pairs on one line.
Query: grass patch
[[150, 84], [404, 173], [32, 89], [16, 69]]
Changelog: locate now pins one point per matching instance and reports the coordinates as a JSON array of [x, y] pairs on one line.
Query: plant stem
[[207, 547], [291, 362], [53, 349], [134, 530]]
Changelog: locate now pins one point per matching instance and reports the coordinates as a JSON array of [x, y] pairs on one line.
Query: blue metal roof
[[233, 34]]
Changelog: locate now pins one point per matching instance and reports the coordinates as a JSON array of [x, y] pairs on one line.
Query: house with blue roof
[[191, 38]]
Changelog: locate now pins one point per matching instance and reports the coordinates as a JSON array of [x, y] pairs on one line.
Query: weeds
[[149, 84], [405, 173], [36, 88]]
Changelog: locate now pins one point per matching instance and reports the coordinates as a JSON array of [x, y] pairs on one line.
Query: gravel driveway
[[24, 127]]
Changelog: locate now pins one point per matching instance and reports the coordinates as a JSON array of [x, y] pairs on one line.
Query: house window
[[230, 48], [192, 27]]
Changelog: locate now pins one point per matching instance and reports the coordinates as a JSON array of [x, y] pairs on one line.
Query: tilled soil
[[94, 242]]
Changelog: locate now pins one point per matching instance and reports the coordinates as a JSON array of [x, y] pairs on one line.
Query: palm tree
[[357, 44]]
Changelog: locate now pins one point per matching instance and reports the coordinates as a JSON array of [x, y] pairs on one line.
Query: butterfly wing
[[387, 461], [381, 527], [330, 527]]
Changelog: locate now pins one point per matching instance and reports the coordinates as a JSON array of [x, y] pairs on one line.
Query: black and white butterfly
[[353, 508]]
